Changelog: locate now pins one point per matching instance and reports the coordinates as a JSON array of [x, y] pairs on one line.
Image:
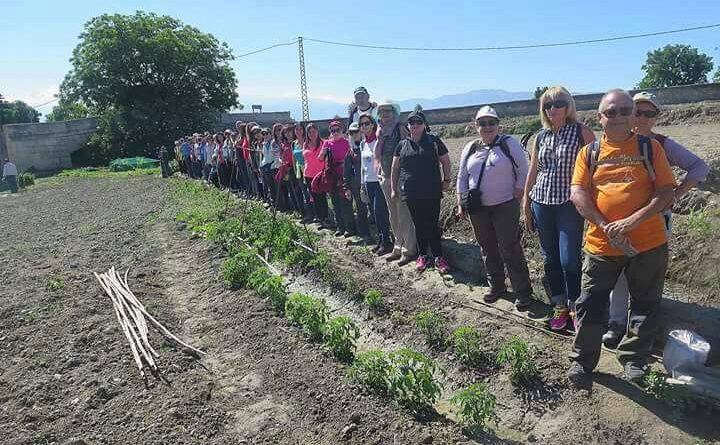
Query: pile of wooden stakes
[[133, 316]]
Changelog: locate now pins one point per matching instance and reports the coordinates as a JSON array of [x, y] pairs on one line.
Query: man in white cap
[[9, 175], [362, 105]]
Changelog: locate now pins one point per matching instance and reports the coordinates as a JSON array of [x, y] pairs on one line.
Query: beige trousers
[[400, 222]]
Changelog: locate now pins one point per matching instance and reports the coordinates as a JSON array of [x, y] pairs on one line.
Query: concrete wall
[[46, 146], [263, 119]]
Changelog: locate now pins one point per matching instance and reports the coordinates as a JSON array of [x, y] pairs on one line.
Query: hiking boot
[[442, 265], [421, 263], [339, 233], [348, 234], [560, 318], [634, 372], [393, 257], [577, 374], [384, 250], [405, 260], [494, 294], [613, 336], [523, 302]]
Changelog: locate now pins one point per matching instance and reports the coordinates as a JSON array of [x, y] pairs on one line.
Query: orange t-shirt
[[620, 189]]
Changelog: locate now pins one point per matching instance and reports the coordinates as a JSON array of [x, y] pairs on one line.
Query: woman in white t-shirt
[[370, 183]]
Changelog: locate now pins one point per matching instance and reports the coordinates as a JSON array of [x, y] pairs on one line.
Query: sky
[[37, 39]]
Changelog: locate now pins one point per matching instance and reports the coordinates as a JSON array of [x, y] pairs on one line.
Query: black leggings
[[320, 199], [425, 214]]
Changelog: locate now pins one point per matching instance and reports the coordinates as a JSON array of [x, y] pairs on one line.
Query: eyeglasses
[[555, 103], [334, 130], [365, 124], [650, 114], [486, 123], [613, 112], [416, 122], [265, 133]]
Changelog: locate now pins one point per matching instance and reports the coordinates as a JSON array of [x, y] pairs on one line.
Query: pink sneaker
[[442, 265], [560, 318], [421, 263]]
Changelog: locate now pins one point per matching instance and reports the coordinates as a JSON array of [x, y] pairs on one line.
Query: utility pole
[[303, 82]]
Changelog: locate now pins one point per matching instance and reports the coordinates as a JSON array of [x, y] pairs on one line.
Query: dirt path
[[68, 376]]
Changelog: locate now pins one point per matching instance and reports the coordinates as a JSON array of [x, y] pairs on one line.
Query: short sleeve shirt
[[619, 188], [420, 168]]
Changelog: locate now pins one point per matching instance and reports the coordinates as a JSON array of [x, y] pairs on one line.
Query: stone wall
[[46, 146]]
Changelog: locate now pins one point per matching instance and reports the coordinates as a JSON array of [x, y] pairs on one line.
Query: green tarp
[[124, 164]]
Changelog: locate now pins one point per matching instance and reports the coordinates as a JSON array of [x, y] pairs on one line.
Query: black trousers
[[425, 214], [320, 199]]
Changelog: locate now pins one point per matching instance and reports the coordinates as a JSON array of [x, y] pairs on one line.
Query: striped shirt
[[556, 153]]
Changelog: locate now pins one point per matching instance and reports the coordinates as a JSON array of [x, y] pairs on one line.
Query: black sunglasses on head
[[650, 114], [613, 112], [555, 103]]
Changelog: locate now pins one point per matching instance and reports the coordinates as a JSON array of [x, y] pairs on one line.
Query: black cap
[[418, 114]]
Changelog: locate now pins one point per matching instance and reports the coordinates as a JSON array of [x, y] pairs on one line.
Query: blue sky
[[38, 37]]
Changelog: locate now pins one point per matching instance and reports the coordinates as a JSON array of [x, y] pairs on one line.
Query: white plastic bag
[[685, 349]]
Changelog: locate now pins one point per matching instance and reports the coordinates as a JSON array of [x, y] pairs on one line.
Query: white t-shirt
[[367, 162], [372, 111]]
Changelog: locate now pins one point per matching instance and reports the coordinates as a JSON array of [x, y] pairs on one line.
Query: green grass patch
[[103, 172]]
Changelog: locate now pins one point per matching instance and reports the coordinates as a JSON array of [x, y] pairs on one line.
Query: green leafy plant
[[237, 270], [374, 299], [307, 312], [25, 179], [432, 326], [656, 384], [371, 370], [476, 405], [340, 335], [411, 380], [516, 353], [258, 277], [398, 318], [54, 284], [466, 342], [273, 288]]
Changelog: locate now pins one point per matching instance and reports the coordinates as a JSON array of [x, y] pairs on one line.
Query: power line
[[500, 48], [46, 103], [265, 49]]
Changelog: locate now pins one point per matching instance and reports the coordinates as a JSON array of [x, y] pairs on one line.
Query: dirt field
[[68, 375]]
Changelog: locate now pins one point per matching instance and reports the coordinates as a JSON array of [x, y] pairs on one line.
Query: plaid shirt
[[556, 153]]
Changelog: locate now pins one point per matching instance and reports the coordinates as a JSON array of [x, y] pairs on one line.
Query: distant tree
[[418, 107], [717, 76], [539, 91], [675, 65], [64, 111], [149, 79], [17, 112]]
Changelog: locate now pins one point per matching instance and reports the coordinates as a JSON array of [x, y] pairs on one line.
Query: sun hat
[[487, 111], [389, 104], [645, 96], [354, 127]]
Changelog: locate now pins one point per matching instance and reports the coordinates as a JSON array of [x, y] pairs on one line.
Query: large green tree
[[17, 112], [65, 111], [675, 65], [149, 79]]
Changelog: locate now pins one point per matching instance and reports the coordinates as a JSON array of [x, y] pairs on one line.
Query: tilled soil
[[68, 375]]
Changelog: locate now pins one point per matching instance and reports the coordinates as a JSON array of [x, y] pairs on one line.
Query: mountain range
[[325, 109]]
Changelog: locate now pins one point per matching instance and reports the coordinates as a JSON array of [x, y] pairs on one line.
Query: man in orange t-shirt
[[621, 193]]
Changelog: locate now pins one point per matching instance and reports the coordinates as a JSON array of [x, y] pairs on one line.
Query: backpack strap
[[581, 139], [591, 158], [538, 138], [505, 148], [660, 138], [646, 152]]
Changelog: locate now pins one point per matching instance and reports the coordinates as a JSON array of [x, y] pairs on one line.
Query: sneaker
[[442, 265], [405, 260], [522, 302], [348, 234], [421, 263], [494, 294], [393, 257], [384, 250], [339, 233], [578, 375], [560, 318], [613, 336], [634, 372]]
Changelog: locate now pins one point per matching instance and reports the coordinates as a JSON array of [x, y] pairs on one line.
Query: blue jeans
[[560, 229], [12, 183], [380, 212]]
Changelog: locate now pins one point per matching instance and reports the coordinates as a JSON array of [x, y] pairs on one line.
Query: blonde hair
[[553, 93]]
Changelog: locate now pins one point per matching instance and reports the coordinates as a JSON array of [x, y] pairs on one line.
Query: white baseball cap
[[645, 96], [487, 111]]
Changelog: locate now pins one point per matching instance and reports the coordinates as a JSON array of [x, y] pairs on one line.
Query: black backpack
[[502, 141]]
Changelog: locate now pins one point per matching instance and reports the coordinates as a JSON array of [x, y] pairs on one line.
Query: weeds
[[307, 312], [340, 335], [466, 342], [674, 396], [373, 298], [476, 405], [411, 380], [25, 179], [273, 288], [432, 327], [398, 318], [702, 222], [516, 353], [54, 284], [371, 370], [102, 172], [238, 269]]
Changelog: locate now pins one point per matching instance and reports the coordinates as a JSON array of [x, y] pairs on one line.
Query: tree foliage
[[675, 65], [148, 78], [539, 91], [65, 111], [17, 112]]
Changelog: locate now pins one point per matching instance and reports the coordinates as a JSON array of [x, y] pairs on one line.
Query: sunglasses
[[416, 122], [334, 130], [556, 104], [365, 124], [650, 114], [613, 112], [265, 133], [486, 123]]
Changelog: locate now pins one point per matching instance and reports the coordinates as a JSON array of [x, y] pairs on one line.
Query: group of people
[[378, 170]]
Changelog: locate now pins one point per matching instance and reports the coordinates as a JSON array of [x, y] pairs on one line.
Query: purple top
[[679, 156]]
